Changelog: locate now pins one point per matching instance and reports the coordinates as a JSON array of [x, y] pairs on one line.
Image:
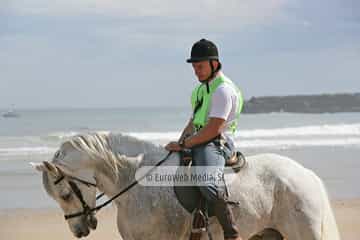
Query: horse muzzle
[[81, 231], [91, 221]]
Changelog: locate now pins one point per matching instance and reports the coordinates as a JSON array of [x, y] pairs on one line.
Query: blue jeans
[[211, 155], [215, 192]]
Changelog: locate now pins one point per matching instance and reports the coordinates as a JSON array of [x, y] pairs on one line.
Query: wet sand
[[39, 224]]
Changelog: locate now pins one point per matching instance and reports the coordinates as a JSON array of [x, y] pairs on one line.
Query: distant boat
[[11, 114]]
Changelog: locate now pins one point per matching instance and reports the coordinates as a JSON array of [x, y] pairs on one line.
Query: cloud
[[63, 45], [325, 12], [245, 11]]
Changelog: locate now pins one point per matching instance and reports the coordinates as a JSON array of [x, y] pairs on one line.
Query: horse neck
[[112, 185], [131, 146]]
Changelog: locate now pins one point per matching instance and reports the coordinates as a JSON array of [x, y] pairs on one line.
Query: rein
[[86, 209]]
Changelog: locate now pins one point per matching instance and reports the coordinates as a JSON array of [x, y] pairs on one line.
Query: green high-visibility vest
[[201, 102]]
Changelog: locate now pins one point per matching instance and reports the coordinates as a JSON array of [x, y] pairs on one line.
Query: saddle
[[236, 161]]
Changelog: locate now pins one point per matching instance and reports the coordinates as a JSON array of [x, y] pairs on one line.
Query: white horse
[[275, 193]]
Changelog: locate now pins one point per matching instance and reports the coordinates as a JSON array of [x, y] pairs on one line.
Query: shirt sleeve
[[221, 104]]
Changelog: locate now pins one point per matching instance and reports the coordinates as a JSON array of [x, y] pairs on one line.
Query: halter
[[88, 210]]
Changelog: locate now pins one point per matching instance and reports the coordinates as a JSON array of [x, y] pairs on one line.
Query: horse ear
[[45, 167], [51, 168], [38, 166]]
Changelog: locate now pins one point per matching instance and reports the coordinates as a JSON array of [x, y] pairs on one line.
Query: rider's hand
[[173, 146]]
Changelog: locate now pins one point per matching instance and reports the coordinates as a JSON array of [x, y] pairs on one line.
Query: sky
[[111, 53]]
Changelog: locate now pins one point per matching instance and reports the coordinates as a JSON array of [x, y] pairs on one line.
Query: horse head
[[73, 189], [70, 179]]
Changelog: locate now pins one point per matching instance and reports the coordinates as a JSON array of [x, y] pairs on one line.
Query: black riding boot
[[223, 212]]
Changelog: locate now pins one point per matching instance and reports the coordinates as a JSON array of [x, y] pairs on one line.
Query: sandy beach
[[42, 224], [327, 144]]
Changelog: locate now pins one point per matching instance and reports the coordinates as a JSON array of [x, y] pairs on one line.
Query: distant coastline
[[322, 103], [316, 103]]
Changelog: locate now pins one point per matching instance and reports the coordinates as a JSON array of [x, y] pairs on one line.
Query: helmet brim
[[199, 59]]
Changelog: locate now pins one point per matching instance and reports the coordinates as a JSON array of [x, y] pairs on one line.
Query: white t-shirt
[[224, 103]]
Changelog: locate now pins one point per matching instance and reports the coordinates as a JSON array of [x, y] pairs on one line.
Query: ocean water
[[329, 144]]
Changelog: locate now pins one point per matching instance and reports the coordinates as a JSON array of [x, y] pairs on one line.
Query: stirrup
[[198, 224]]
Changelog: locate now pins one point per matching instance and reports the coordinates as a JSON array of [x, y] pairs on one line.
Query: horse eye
[[66, 197], [58, 155]]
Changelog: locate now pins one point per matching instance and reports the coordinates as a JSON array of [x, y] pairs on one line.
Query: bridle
[[87, 210]]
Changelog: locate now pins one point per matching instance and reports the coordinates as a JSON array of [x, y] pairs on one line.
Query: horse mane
[[112, 148]]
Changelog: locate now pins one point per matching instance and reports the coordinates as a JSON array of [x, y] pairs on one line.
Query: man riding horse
[[216, 104]]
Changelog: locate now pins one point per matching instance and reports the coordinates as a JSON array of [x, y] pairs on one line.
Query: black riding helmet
[[205, 50]]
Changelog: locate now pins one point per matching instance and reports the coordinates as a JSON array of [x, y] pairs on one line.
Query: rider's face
[[203, 69]]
